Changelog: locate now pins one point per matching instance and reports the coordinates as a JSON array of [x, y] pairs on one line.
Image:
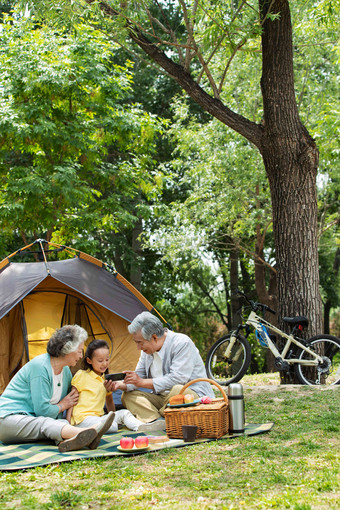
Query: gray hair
[[65, 340], [147, 324]]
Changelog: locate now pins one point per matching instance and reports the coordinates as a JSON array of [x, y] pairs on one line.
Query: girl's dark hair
[[93, 346]]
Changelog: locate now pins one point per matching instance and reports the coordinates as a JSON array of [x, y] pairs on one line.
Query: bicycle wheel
[[328, 372], [228, 360]]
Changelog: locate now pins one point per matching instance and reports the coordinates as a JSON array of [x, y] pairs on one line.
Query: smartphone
[[119, 376]]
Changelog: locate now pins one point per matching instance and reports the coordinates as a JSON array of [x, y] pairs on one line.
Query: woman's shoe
[[78, 442], [101, 429]]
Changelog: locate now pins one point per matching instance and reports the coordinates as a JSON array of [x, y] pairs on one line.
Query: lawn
[[295, 465]]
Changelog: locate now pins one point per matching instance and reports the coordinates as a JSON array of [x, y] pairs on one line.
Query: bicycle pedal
[[281, 365]]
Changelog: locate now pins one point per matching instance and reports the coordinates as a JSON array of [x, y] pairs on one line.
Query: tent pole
[[43, 252], [154, 310]]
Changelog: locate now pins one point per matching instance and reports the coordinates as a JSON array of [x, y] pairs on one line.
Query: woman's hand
[[70, 400]]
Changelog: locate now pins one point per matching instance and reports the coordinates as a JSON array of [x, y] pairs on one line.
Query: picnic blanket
[[30, 455]]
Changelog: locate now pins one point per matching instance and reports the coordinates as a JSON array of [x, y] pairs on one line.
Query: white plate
[[134, 449]]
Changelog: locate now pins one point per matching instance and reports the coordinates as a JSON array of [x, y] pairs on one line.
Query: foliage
[[73, 156], [225, 184], [222, 183], [294, 466]]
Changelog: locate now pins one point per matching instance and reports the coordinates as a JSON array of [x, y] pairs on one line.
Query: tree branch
[[327, 227], [215, 305], [168, 30], [250, 130]]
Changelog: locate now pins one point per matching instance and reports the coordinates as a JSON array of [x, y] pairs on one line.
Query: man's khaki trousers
[[150, 406]]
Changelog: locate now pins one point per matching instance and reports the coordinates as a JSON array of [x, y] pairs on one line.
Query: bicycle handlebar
[[256, 306], [267, 308]]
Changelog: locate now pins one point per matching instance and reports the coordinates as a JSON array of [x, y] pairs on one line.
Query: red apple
[[126, 443], [141, 442]]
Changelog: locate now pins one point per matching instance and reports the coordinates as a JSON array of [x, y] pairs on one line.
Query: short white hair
[[65, 340], [148, 325], [80, 336]]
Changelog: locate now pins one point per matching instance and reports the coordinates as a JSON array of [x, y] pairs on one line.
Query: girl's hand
[[114, 385], [70, 400]]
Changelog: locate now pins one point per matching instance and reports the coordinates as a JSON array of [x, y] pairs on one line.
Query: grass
[[294, 466]]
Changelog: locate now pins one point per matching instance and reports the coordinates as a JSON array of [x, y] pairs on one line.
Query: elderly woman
[[32, 405]]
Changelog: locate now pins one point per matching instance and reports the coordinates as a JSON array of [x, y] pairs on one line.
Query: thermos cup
[[236, 409]]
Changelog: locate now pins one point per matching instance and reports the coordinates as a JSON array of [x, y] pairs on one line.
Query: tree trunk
[[136, 270], [118, 262], [326, 313], [329, 304], [291, 160], [220, 258], [266, 296], [234, 300]]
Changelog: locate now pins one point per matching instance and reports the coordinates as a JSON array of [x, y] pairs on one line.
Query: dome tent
[[38, 297]]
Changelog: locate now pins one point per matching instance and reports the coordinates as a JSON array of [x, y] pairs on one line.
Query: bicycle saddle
[[300, 320]]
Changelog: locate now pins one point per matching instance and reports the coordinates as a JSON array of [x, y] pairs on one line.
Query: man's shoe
[[152, 426], [101, 429], [78, 442]]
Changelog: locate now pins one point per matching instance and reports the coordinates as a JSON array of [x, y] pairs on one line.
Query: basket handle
[[205, 380]]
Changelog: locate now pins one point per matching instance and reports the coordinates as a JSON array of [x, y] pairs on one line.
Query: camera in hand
[[119, 376]]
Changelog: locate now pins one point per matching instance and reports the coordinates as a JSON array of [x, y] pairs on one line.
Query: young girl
[[92, 394]]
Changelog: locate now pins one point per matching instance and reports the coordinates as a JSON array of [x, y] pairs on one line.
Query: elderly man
[[168, 361]]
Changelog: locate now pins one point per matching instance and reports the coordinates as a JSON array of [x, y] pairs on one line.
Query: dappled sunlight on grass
[[261, 379]]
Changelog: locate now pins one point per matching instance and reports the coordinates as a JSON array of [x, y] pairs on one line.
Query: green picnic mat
[[30, 455]]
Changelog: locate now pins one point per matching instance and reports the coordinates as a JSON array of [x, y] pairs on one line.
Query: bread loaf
[[188, 398], [157, 439], [176, 399]]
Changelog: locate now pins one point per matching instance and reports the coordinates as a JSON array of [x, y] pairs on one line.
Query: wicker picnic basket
[[212, 419]]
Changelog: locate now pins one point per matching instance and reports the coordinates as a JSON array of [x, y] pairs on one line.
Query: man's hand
[[130, 378], [133, 378], [136, 380], [114, 385]]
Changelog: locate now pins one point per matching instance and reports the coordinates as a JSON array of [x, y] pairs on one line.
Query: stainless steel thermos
[[236, 409]]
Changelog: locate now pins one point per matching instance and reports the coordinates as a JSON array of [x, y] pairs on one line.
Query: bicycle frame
[[255, 321]]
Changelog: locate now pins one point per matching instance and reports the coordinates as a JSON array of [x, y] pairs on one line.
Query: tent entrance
[[46, 311]]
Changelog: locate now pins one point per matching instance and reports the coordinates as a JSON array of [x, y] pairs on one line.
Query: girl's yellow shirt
[[92, 395]]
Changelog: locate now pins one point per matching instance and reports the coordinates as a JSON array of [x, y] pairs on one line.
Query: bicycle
[[316, 360]]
